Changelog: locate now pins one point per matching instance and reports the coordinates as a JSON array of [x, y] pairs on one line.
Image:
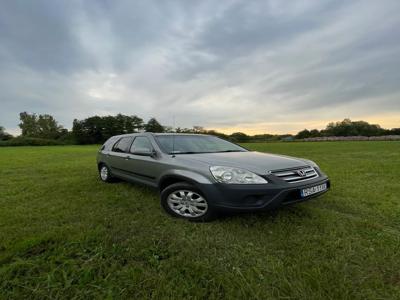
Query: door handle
[[127, 157]]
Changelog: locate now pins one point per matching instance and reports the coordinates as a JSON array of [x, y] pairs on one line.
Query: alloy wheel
[[104, 173], [187, 203]]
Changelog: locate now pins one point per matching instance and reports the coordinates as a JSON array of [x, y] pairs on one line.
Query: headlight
[[311, 163], [235, 175]]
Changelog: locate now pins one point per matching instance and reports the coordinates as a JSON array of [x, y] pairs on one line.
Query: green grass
[[64, 234]]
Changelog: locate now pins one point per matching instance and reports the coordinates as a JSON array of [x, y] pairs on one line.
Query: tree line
[[348, 128], [38, 129]]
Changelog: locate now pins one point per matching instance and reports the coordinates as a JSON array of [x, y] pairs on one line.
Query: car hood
[[253, 161]]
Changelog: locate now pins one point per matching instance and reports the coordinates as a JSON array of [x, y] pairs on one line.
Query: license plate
[[313, 190]]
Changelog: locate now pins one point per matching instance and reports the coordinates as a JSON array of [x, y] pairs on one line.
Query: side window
[[109, 144], [122, 145], [141, 144]]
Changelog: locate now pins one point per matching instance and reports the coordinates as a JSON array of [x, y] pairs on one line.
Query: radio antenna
[[173, 136]]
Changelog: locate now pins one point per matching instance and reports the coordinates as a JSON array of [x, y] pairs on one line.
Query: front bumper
[[260, 197]]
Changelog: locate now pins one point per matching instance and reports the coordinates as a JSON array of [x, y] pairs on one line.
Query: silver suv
[[199, 175]]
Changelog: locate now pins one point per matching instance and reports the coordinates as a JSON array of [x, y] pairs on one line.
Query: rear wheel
[[105, 173], [186, 201]]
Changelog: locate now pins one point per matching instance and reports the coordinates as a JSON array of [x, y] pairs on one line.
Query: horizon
[[260, 67], [229, 131]]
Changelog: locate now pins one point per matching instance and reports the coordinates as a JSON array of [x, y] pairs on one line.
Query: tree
[[350, 128], [96, 129], [4, 136], [169, 129], [48, 127], [153, 126], [89, 131], [303, 134], [394, 131], [198, 129], [40, 126], [239, 137], [127, 124], [216, 133], [315, 133], [28, 125], [345, 128]]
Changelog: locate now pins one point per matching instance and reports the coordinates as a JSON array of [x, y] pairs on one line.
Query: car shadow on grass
[[272, 215], [297, 211]]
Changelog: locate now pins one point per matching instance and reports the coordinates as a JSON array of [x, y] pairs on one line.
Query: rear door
[[143, 167], [118, 156]]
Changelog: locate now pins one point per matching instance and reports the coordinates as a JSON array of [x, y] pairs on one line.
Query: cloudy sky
[[254, 66]]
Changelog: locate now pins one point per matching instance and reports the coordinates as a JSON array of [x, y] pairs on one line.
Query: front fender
[[186, 175]]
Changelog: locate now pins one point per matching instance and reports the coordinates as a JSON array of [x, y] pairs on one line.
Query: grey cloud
[[41, 35], [206, 63]]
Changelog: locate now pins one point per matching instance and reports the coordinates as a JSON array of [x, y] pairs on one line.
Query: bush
[[28, 141], [67, 139]]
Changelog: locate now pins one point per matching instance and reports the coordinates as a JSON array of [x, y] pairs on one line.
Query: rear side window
[[109, 144], [122, 145], [141, 143]]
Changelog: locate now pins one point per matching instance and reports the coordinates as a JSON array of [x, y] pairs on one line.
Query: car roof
[[159, 134], [175, 133]]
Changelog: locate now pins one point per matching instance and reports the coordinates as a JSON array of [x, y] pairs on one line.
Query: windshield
[[187, 144]]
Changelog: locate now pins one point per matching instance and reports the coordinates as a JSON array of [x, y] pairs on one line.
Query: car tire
[[184, 200], [105, 173]]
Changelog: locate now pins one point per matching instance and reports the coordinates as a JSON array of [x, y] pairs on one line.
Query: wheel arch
[[168, 180], [99, 164], [188, 176]]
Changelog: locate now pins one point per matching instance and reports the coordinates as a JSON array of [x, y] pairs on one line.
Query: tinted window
[[195, 144], [122, 145], [109, 144], [141, 144]]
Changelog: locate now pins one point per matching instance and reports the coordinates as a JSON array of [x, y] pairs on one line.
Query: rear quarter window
[[107, 146]]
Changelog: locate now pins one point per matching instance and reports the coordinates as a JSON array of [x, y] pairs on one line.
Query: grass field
[[64, 234]]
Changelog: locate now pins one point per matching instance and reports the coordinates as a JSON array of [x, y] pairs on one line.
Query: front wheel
[[186, 201]]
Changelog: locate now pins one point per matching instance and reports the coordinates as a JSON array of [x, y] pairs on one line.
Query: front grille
[[296, 174]]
